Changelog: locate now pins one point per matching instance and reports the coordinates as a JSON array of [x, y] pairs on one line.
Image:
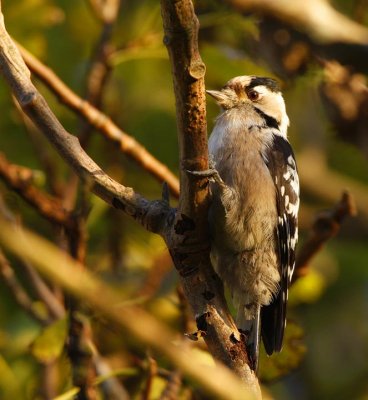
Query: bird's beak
[[217, 95], [220, 97]]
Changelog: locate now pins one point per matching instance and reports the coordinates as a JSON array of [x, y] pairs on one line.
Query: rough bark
[[189, 244]]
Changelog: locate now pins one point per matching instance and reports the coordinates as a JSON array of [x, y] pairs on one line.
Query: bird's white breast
[[236, 148]]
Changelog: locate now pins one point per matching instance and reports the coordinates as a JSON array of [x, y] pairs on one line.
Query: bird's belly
[[243, 244]]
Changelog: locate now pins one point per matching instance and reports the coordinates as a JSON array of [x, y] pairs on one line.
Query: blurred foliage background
[[326, 349]]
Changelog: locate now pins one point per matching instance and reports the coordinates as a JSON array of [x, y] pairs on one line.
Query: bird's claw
[[211, 173]]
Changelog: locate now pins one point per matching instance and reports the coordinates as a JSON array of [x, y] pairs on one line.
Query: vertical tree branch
[[189, 245], [187, 238]]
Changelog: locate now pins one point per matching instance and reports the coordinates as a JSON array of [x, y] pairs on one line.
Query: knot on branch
[[27, 99], [197, 69]]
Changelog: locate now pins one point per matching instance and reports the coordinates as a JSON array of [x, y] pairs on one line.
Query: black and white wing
[[281, 163]]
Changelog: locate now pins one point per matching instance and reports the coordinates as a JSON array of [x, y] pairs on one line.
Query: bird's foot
[[211, 173]]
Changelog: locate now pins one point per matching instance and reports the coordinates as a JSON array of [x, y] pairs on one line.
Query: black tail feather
[[273, 319]]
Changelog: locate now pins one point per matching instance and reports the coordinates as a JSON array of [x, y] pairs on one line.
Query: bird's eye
[[253, 95]]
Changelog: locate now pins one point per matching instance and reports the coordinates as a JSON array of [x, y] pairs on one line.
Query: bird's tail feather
[[251, 328]]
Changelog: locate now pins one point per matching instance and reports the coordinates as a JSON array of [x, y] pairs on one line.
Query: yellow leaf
[[49, 344]]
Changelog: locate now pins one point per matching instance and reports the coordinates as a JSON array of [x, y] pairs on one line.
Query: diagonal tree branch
[[20, 180], [186, 233], [326, 226], [150, 214], [101, 122]]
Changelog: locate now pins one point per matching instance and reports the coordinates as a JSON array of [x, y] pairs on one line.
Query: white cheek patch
[[273, 104]]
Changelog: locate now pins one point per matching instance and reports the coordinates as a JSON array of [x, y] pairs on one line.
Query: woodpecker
[[253, 217]]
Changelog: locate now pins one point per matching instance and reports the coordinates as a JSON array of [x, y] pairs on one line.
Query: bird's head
[[254, 92]]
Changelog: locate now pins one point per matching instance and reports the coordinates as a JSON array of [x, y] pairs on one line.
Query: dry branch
[[43, 292], [326, 226], [99, 67], [186, 234], [317, 18], [150, 214], [101, 122], [37, 285], [189, 247], [20, 179]]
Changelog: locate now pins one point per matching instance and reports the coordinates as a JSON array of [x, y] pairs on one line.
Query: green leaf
[[49, 344]]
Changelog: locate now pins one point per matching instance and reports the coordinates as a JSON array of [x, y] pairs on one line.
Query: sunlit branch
[[317, 18], [16, 74], [127, 144], [189, 248]]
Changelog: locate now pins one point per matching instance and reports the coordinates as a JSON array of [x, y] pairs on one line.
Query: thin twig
[[83, 364], [326, 226], [111, 387], [15, 72], [151, 374], [187, 238], [20, 179], [153, 215], [101, 122], [171, 391], [81, 354], [36, 283], [99, 66], [18, 292], [43, 292]]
